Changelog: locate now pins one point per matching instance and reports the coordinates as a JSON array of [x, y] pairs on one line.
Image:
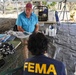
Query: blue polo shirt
[[42, 65], [28, 24]]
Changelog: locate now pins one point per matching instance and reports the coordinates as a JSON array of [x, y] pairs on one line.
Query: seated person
[[40, 64], [27, 21]]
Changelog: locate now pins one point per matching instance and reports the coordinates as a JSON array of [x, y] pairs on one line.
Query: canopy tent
[[49, 0]]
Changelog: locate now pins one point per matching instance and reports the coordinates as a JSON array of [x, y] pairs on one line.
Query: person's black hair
[[37, 43]]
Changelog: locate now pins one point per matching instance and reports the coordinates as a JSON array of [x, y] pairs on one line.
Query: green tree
[[71, 5], [44, 3], [50, 5], [53, 4]]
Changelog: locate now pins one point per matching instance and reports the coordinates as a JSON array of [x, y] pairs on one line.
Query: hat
[[28, 5]]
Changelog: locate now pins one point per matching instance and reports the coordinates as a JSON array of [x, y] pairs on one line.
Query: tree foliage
[[53, 4], [71, 5], [50, 5]]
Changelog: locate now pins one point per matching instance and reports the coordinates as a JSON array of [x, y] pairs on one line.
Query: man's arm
[[20, 28], [19, 23], [36, 28]]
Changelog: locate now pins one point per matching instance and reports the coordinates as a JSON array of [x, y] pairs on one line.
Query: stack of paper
[[21, 34], [4, 37]]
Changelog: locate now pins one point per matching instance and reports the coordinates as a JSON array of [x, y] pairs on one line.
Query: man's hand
[[20, 28]]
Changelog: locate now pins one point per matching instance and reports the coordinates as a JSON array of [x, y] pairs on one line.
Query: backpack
[[15, 28]]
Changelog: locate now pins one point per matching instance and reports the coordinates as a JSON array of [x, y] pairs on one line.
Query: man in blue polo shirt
[[27, 21], [40, 64]]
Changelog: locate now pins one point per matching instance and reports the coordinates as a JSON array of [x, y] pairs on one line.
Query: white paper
[[21, 34]]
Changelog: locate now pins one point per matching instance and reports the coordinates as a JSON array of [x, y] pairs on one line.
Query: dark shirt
[[42, 65]]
